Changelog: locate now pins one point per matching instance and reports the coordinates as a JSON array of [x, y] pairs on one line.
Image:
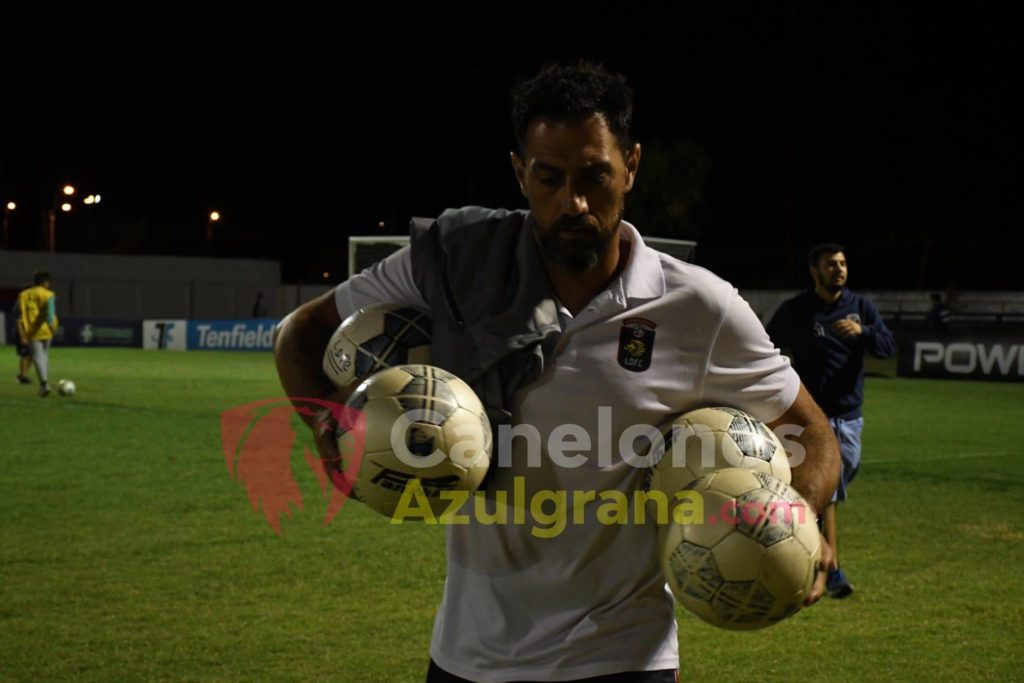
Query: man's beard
[[577, 252], [829, 285]]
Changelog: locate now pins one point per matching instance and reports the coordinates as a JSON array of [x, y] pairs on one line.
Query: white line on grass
[[954, 456]]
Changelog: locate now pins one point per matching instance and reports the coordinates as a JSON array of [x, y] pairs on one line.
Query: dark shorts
[[436, 674]]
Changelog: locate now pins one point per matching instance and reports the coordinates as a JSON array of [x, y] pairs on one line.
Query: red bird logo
[[258, 439]]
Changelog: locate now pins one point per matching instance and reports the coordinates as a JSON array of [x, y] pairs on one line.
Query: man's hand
[[825, 563], [325, 428], [847, 328]]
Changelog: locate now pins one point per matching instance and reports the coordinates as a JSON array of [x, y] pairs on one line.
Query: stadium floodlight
[[11, 206], [67, 191], [214, 217]]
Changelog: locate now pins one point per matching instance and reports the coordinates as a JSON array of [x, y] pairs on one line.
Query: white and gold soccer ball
[[375, 338], [65, 387], [422, 424], [748, 556], [710, 439]]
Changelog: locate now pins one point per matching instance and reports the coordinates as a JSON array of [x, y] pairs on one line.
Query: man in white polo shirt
[[564, 321]]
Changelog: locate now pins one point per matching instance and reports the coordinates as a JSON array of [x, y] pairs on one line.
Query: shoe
[[837, 585], [44, 391], [22, 379]]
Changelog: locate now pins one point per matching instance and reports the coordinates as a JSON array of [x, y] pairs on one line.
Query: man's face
[[830, 273], [575, 178]]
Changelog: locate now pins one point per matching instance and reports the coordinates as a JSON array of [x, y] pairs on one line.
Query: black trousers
[[436, 674]]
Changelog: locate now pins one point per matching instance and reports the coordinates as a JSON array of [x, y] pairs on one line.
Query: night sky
[[892, 131]]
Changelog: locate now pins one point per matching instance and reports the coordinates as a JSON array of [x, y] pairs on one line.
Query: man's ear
[[520, 170], [632, 160]]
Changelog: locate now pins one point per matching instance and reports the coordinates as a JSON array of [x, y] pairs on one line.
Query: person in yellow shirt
[[37, 325]]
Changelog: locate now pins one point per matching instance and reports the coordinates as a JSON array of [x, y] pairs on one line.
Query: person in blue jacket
[[826, 330]]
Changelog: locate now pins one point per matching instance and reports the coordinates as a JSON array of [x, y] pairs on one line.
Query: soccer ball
[[65, 387], [375, 338], [709, 439], [422, 424], [748, 559]]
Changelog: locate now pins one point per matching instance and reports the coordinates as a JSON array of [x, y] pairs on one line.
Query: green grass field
[[127, 551]]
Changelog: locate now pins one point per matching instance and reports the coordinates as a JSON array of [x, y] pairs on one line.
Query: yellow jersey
[[38, 319]]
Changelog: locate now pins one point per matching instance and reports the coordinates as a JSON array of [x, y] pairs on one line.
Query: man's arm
[[19, 319], [299, 343], [817, 474], [879, 338], [302, 337], [51, 313]]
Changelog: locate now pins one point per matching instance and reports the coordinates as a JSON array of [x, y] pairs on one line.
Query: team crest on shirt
[[636, 344]]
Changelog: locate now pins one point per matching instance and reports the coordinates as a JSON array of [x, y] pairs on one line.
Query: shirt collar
[[642, 278], [844, 296]]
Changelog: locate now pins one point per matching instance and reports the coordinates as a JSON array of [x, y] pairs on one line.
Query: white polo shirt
[[664, 338]]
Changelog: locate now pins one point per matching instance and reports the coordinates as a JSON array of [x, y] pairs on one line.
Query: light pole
[[214, 217], [67, 190], [11, 206]]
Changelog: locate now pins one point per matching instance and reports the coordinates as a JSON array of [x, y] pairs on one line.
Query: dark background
[[767, 127]]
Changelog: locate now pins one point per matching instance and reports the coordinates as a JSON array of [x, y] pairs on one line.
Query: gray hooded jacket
[[495, 321]]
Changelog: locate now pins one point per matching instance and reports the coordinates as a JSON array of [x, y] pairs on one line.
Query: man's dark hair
[[820, 250], [39, 277], [571, 94]]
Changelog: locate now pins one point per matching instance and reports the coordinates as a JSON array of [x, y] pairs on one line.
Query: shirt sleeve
[[744, 368], [879, 338], [387, 281]]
